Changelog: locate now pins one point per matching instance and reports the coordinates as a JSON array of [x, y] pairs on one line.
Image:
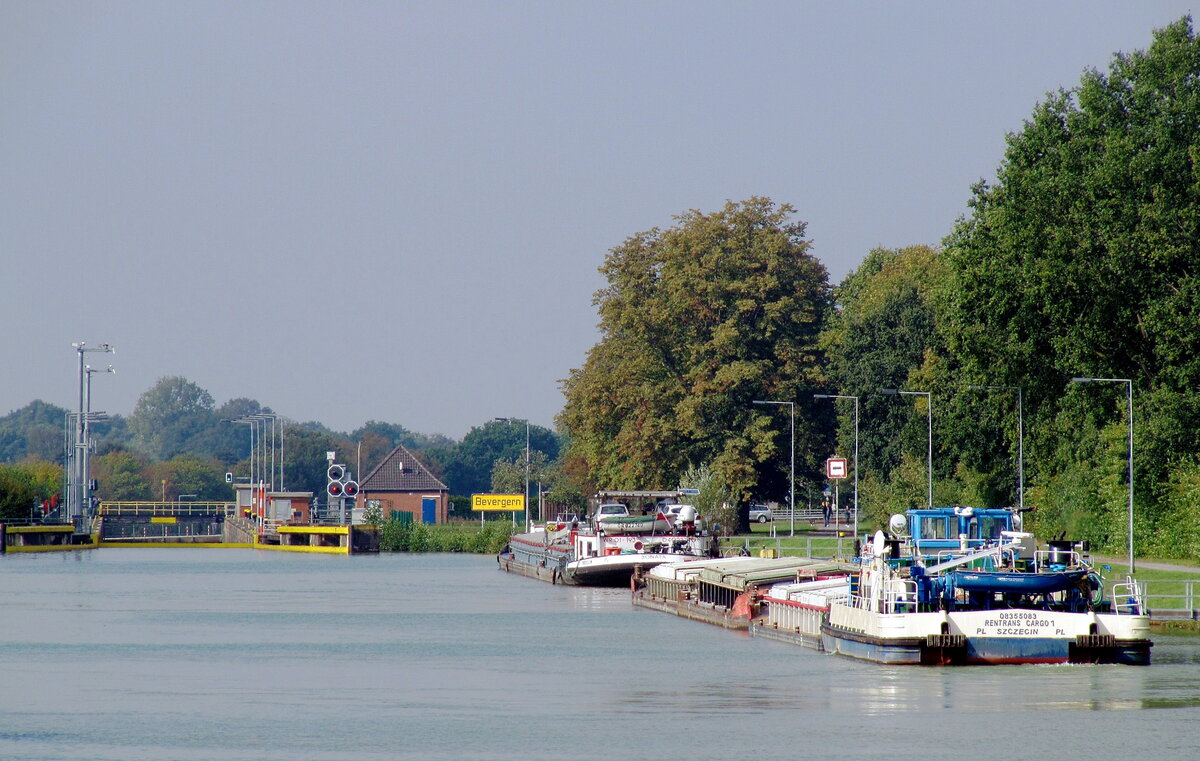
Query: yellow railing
[[167, 508]]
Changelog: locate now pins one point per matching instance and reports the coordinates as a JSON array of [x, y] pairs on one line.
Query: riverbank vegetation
[[395, 536]]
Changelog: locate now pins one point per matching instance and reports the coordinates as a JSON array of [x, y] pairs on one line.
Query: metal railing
[[815, 515], [166, 509], [805, 546], [1165, 598]]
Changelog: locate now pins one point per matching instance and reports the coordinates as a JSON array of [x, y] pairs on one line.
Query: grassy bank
[[490, 538], [803, 544]]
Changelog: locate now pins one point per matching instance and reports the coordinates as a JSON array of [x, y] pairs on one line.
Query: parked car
[[761, 514], [609, 510]]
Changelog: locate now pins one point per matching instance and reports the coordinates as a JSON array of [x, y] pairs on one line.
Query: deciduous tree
[[698, 321]]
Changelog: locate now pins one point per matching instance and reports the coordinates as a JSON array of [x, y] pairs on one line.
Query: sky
[[395, 211]]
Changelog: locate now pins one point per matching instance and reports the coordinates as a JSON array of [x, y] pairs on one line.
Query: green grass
[[448, 537], [803, 544]]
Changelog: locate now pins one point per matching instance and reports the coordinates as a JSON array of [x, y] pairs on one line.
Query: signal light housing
[[336, 472], [350, 488], [335, 489]]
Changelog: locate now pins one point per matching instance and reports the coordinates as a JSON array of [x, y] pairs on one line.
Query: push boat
[[604, 553], [990, 596]]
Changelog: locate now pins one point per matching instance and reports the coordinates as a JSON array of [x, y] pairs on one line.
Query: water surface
[[228, 655]]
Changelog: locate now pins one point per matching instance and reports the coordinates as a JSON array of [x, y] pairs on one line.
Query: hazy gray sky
[[395, 211]]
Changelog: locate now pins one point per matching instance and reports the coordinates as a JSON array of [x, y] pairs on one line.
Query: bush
[[395, 536]]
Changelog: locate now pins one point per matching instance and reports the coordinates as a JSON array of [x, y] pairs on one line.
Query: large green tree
[[880, 336], [168, 416], [190, 474], [1083, 259], [121, 476], [34, 430], [25, 486], [468, 466], [697, 322]]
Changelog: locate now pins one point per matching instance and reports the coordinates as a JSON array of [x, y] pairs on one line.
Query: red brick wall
[[406, 502]]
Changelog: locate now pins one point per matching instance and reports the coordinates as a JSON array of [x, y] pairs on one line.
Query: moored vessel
[[993, 598], [604, 553]]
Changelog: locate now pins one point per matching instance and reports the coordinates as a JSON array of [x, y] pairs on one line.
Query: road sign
[[835, 467], [502, 502], [689, 492]]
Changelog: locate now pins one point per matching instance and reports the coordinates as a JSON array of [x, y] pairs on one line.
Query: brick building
[[405, 490]]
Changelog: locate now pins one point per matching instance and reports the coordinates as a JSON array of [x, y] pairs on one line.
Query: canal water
[[227, 655]]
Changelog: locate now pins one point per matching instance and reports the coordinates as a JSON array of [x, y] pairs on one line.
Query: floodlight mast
[[77, 493]]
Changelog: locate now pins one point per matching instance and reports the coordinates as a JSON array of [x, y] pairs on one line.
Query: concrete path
[[1154, 565]]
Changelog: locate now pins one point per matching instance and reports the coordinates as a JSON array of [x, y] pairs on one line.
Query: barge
[[568, 553], [730, 592]]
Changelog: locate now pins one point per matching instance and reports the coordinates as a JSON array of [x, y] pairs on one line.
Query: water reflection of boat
[[991, 596]]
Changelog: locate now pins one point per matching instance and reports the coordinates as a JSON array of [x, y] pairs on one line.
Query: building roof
[[401, 471]]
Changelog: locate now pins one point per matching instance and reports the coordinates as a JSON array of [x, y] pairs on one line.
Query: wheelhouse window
[[933, 528]]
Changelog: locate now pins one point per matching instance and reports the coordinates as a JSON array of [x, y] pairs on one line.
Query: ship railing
[[898, 596], [1045, 559], [901, 596], [1128, 597]]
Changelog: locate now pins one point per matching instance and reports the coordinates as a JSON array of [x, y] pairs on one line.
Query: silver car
[[761, 514]]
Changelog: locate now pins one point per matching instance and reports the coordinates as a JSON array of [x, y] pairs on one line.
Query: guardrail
[[1172, 599], [815, 516], [164, 509], [805, 546]]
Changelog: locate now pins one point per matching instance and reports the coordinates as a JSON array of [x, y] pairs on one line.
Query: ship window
[[933, 528], [990, 527]]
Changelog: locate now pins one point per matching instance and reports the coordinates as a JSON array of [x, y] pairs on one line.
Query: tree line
[[1079, 260], [177, 441]]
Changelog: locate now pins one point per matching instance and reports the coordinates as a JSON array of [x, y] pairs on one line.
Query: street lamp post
[[514, 420], [855, 398], [1020, 438], [78, 491], [269, 469], [85, 501], [1129, 388], [792, 466], [929, 405], [527, 529]]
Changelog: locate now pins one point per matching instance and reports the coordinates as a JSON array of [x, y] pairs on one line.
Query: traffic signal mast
[[340, 487]]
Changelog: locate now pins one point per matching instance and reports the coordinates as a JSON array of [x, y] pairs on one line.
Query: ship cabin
[[943, 530]]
